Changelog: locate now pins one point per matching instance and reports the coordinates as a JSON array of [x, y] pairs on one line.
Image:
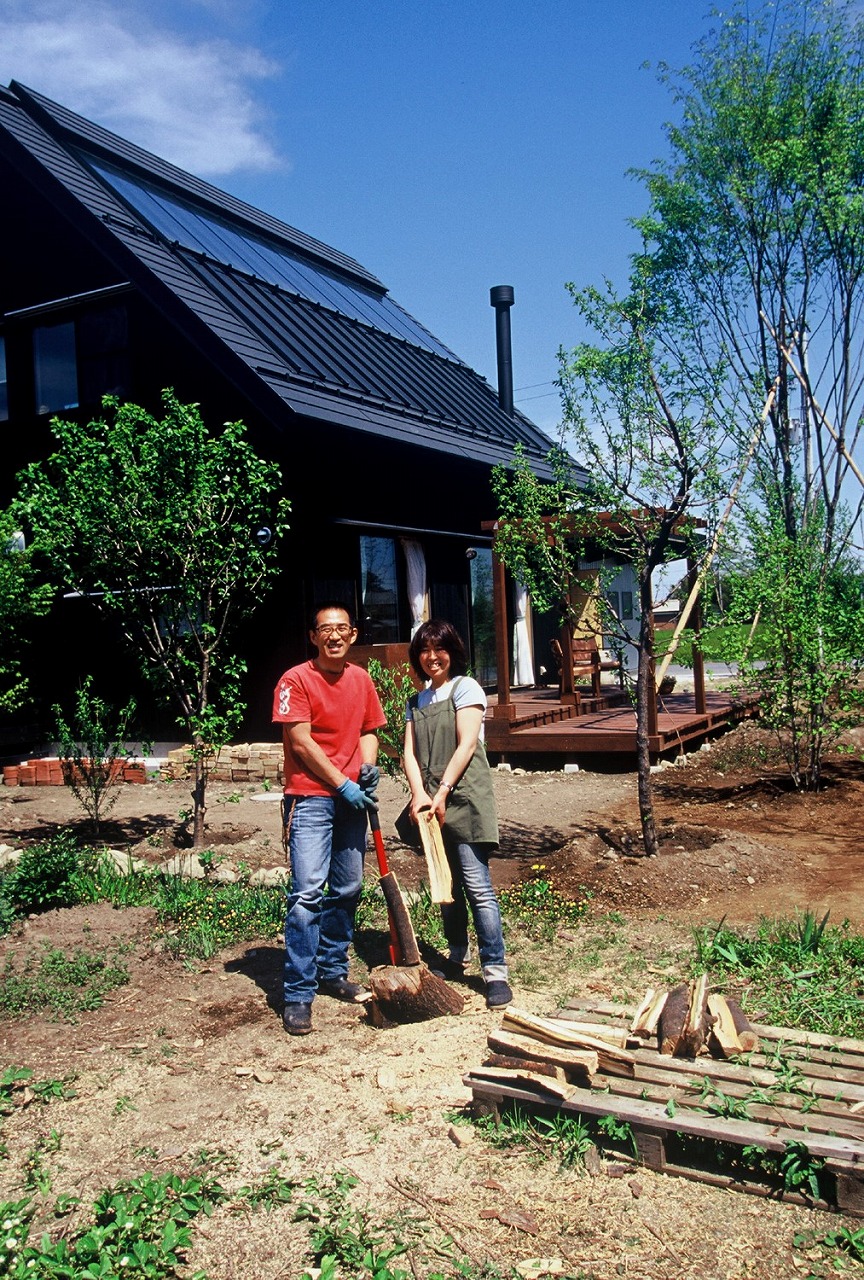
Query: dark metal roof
[[312, 325]]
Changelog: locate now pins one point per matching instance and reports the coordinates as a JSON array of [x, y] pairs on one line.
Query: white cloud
[[188, 100]]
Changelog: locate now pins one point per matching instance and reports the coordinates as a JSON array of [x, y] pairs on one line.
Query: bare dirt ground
[[186, 1058]]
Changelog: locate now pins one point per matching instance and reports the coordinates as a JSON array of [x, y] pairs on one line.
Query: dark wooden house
[[121, 273]]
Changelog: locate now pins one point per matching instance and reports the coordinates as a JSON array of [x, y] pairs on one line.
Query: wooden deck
[[539, 724]]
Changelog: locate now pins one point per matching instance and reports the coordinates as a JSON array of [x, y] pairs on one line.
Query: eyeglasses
[[335, 628]]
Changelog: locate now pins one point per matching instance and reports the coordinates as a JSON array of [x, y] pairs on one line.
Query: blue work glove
[[368, 779], [355, 796]]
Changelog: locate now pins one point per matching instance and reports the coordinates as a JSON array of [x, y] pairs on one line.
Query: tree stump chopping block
[[412, 993]]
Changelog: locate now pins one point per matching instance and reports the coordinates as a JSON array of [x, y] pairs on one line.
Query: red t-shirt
[[339, 707]]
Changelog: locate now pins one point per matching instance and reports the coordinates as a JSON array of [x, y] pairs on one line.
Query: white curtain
[[523, 659], [415, 562]]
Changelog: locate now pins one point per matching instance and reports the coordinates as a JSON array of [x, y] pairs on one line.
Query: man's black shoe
[[450, 970], [342, 989], [498, 994], [297, 1019]]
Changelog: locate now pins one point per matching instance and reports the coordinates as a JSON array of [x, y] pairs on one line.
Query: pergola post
[[504, 710]]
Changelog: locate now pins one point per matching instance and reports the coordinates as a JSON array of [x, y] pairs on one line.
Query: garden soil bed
[[183, 1059]]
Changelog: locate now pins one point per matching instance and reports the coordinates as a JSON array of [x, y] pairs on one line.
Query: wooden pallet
[[800, 1088]]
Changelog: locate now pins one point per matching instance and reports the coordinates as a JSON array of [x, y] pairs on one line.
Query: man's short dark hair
[[330, 604]]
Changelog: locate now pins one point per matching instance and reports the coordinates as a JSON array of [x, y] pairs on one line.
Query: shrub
[[47, 876]]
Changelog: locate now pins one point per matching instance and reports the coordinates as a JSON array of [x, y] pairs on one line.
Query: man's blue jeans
[[327, 840], [469, 865]]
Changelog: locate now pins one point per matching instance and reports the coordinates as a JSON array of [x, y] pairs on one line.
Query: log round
[[412, 993]]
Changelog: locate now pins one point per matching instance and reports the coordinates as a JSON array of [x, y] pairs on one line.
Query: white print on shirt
[[284, 699]]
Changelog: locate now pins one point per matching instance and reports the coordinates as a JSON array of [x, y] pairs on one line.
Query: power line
[[545, 395], [532, 385]]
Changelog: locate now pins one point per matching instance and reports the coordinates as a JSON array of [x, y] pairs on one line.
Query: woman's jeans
[[327, 840], [469, 864]]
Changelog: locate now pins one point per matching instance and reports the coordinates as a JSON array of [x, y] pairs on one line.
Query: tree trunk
[[199, 793], [645, 690]]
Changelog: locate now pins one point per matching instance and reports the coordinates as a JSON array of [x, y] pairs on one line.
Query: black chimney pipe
[[501, 298]]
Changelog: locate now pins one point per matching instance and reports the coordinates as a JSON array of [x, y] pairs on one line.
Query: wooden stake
[[715, 541]]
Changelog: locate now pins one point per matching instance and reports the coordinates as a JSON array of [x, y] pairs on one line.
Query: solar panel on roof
[[202, 231]]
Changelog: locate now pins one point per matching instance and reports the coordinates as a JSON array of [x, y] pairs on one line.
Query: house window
[[483, 615], [103, 353], [55, 368], [627, 605], [4, 390], [379, 590]]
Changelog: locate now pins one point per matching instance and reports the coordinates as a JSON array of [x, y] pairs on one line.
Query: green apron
[[470, 816]]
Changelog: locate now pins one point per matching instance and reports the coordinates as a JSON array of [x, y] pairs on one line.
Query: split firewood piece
[[578, 1064], [412, 993], [512, 1063], [746, 1034], [672, 1020], [698, 1025], [647, 1016], [522, 1079], [552, 1031], [599, 1030], [440, 875], [683, 1026], [723, 1041]]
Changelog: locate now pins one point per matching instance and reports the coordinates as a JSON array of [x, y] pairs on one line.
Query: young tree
[[93, 750], [806, 660], [22, 598], [171, 529], [757, 215], [641, 415]]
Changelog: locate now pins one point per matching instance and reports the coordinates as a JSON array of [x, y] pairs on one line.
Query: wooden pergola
[[505, 709]]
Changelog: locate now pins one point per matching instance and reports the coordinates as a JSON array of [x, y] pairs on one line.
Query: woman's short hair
[[437, 634]]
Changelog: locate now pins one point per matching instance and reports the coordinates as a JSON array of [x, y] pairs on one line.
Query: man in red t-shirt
[[330, 714]]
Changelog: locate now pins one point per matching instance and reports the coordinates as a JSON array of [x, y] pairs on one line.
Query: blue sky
[[448, 145]]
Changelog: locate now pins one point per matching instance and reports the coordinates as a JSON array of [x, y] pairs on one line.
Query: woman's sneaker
[[498, 993]]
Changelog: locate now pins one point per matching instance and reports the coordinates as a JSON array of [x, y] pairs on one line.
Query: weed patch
[[539, 907], [796, 972], [61, 984]]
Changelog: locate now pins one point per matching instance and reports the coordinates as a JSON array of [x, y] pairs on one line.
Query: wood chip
[[460, 1135], [513, 1218], [536, 1268]]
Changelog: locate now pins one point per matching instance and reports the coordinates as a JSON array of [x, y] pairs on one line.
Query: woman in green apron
[[447, 770]]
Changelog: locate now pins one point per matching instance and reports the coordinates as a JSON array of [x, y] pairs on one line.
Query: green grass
[[797, 972], [723, 643], [59, 983]]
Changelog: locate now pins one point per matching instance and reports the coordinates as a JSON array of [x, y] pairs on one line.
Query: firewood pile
[[696, 1085], [552, 1055]]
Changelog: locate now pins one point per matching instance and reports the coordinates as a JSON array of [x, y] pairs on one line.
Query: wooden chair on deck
[[586, 661]]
